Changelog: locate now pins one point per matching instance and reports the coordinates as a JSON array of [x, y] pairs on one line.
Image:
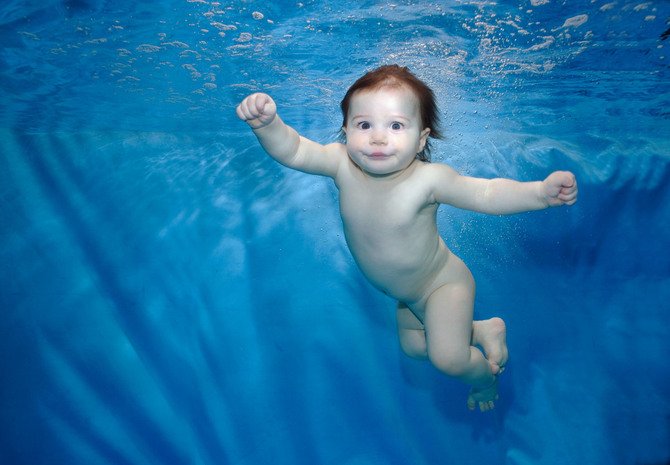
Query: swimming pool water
[[171, 295]]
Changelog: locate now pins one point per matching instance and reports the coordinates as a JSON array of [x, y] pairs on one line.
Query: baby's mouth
[[377, 155]]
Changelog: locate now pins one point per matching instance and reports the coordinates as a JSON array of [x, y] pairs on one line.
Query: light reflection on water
[[184, 64]]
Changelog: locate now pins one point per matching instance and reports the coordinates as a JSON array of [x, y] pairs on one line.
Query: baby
[[389, 195]]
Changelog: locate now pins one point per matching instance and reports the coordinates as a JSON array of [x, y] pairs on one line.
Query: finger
[[256, 104], [562, 180], [568, 197], [567, 178], [243, 110], [260, 101], [569, 188], [266, 106], [251, 103], [240, 112]]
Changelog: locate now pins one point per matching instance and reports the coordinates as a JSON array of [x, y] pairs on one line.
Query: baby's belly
[[408, 276]]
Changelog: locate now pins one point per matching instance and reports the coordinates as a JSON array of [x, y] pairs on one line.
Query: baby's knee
[[413, 344], [415, 351], [454, 364]]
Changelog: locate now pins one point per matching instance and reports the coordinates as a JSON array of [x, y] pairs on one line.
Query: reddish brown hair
[[394, 75]]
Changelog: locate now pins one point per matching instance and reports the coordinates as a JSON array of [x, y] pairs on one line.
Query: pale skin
[[388, 203]]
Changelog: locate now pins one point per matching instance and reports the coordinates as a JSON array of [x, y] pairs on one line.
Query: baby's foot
[[490, 335], [485, 397]]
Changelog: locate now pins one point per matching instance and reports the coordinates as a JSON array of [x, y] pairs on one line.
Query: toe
[[486, 406]]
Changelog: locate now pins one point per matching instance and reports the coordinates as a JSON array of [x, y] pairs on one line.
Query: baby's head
[[397, 76]]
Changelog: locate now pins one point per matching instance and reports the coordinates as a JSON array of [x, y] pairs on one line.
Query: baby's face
[[383, 130]]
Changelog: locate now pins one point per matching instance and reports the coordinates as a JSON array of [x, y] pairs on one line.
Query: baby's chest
[[380, 211]]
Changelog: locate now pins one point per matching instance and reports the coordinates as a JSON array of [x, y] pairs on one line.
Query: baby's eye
[[396, 126], [364, 125]]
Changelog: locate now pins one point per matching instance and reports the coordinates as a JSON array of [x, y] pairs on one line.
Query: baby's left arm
[[501, 196]]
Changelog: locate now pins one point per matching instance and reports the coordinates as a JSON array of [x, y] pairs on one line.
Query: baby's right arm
[[283, 143]]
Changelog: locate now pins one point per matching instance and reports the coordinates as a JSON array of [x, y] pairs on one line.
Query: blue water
[[171, 295]]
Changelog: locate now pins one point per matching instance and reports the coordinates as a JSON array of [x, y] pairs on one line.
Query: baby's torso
[[391, 231]]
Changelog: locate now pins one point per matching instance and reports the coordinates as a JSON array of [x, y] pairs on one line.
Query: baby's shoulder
[[427, 171], [430, 178], [434, 171], [335, 148]]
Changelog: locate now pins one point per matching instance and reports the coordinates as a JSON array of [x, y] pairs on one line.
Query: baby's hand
[[258, 110], [560, 188]]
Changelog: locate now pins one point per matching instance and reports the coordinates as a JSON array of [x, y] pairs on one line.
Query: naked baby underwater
[[389, 194]]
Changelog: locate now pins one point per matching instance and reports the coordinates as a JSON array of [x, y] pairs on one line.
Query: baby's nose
[[378, 137]]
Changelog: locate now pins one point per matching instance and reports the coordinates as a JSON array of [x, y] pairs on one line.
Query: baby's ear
[[423, 137]]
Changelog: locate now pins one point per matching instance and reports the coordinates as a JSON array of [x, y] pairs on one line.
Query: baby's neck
[[393, 177]]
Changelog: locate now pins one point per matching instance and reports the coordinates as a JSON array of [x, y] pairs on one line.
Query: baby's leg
[[488, 334], [411, 333], [449, 338]]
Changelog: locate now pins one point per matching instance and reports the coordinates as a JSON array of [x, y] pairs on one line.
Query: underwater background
[[171, 295]]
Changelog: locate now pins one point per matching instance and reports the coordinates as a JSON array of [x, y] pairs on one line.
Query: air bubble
[[244, 37], [257, 15]]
